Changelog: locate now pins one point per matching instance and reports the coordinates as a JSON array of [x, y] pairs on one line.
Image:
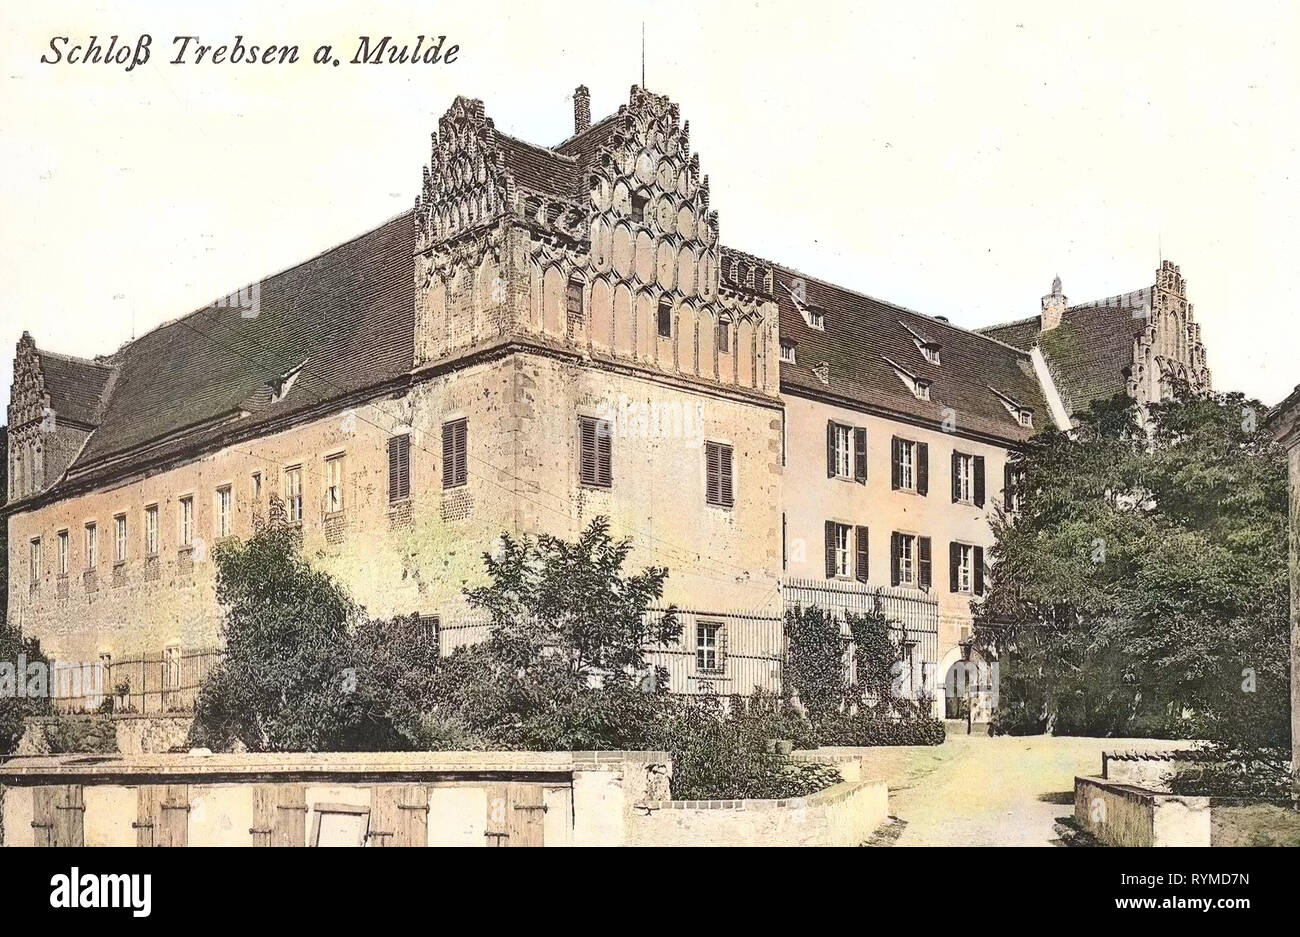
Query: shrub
[[14, 708], [872, 728]]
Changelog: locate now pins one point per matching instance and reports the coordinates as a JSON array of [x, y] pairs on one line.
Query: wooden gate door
[[162, 815], [516, 815], [58, 815], [400, 816]]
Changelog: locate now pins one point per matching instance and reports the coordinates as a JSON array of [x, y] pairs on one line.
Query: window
[[724, 335], [63, 552], [257, 486], [665, 319], [708, 646], [34, 570], [151, 530], [787, 352], [187, 521], [965, 568], [293, 493], [334, 484], [922, 390], [1026, 417], [718, 482], [816, 318], [573, 301], [909, 560], [846, 451], [910, 466], [225, 502], [92, 546], [455, 453], [399, 468], [594, 465], [930, 351], [838, 557], [963, 477], [639, 203], [1011, 482], [968, 479], [119, 539]]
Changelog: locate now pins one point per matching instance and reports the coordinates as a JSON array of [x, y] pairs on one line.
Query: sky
[[951, 158]]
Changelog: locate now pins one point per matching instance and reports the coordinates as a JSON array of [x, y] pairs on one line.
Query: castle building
[[1139, 343], [551, 334]]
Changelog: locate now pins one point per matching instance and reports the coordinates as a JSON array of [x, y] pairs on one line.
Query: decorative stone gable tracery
[[596, 271], [29, 409], [1169, 349]]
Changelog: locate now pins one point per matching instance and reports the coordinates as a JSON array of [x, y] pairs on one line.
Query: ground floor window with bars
[[708, 646]]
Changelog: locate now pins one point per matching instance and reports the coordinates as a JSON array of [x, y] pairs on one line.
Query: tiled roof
[[348, 312], [535, 167], [861, 332], [1090, 351], [75, 386]]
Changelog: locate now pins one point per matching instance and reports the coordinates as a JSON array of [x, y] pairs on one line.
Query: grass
[[1255, 825]]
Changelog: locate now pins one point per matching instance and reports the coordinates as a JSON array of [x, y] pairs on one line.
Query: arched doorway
[[970, 685]]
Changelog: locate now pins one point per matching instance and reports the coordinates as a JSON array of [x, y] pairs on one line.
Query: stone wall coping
[[1142, 794], [1167, 754], [831, 795], [106, 768]]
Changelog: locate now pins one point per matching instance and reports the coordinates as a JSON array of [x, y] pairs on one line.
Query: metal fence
[[718, 652], [913, 618], [149, 683]]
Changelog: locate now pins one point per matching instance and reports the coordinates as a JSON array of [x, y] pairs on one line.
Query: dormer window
[[787, 352], [816, 317], [928, 348], [1022, 415], [919, 386]]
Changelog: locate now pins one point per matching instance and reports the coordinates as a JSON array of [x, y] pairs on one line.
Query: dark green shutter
[[979, 570], [895, 548], [862, 548], [954, 566], [895, 463], [830, 448], [956, 476], [922, 468], [830, 549], [923, 562], [979, 481], [860, 455]]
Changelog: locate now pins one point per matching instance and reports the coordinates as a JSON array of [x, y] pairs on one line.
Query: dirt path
[[977, 791]]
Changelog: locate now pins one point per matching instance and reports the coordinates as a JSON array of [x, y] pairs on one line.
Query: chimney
[[581, 109], [1053, 308]]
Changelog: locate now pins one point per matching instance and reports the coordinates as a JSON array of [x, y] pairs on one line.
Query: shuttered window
[[910, 562], [838, 550], [846, 451], [399, 468], [595, 462], [718, 488], [862, 551], [455, 453], [909, 465]]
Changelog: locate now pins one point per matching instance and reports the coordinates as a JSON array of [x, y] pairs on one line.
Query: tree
[[303, 670], [565, 622], [1140, 588]]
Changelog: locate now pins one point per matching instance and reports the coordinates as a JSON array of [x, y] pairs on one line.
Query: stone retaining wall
[[1127, 815]]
